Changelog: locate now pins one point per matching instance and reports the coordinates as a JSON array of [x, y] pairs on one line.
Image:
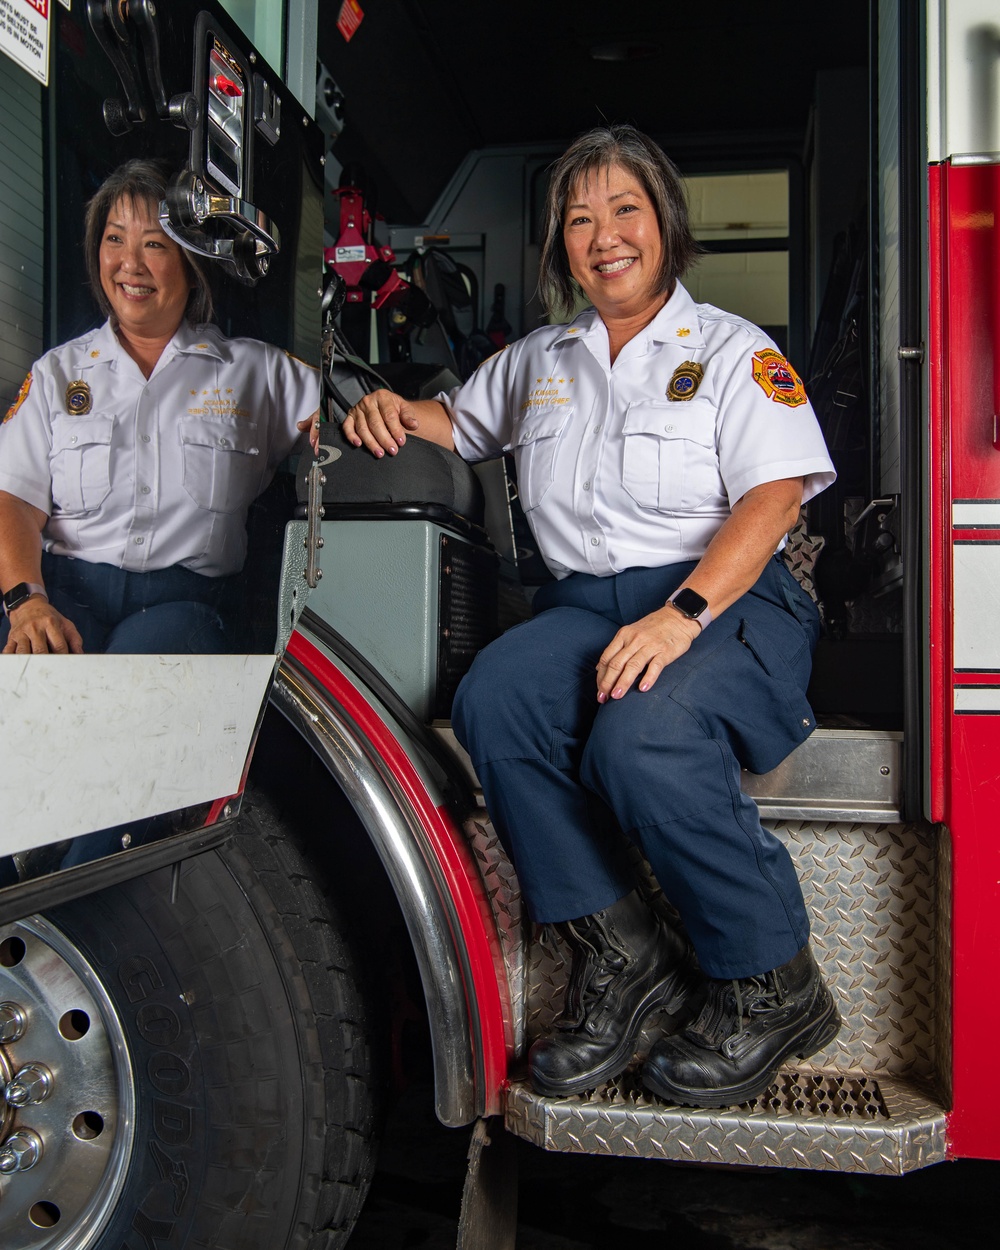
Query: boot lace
[[595, 968], [730, 1005]]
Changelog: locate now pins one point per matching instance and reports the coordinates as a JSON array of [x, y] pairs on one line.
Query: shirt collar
[[103, 346], [676, 322], [100, 348], [582, 326], [192, 340]]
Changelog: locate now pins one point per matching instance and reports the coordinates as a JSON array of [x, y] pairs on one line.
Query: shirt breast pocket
[[669, 458], [81, 462], [535, 442], [222, 465]]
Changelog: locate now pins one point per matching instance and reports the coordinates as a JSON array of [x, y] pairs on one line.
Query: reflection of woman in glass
[[131, 454]]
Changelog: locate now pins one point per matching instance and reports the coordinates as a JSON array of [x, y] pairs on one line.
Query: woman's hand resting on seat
[[381, 421]]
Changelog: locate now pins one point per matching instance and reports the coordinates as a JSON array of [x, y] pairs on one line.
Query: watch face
[[17, 594], [690, 602]]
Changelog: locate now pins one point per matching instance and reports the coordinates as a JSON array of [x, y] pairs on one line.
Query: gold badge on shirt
[[686, 380], [78, 399]]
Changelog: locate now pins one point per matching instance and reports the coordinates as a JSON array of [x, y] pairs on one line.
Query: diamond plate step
[[819, 1120]]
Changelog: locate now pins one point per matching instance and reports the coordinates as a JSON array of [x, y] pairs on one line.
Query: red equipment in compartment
[[367, 268]]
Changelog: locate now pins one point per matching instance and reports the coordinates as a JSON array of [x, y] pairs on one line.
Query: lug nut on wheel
[[31, 1084], [12, 1022], [20, 1151]]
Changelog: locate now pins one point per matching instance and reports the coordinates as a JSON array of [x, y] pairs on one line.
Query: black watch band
[[19, 594]]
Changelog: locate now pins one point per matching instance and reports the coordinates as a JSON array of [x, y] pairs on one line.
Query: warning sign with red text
[[349, 18], [24, 35]]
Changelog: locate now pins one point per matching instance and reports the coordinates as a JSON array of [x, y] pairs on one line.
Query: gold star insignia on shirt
[[573, 330], [683, 332], [94, 354], [562, 381], [194, 392], [216, 391], [229, 390], [538, 380], [201, 346]]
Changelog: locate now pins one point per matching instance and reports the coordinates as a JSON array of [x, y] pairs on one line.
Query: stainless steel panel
[[513, 926], [835, 773], [872, 895], [894, 1130]]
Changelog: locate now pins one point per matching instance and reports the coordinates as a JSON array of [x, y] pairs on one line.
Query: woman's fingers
[[379, 422], [312, 425], [642, 651], [45, 631]]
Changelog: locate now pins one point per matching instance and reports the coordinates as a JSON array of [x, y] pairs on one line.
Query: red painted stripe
[[964, 365], [453, 854]]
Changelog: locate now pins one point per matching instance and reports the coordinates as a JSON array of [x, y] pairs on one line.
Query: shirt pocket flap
[[72, 433], [692, 419], [221, 435], [540, 423]]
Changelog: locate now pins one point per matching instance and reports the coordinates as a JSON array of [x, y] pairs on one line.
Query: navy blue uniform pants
[[166, 611], [664, 764]]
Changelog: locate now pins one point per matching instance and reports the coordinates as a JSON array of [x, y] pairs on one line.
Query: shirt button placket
[[592, 456], [144, 510]]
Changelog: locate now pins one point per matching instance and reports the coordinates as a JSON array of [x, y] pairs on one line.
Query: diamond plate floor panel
[[827, 1121]]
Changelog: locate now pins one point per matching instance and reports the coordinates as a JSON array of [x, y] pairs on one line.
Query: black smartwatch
[[690, 604], [19, 593]]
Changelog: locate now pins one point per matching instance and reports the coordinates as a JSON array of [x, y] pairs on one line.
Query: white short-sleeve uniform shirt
[[147, 474], [615, 473]]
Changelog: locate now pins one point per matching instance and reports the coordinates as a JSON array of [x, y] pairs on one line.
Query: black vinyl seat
[[422, 481]]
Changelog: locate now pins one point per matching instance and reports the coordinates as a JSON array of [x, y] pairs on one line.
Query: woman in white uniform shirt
[[131, 455], [663, 451]]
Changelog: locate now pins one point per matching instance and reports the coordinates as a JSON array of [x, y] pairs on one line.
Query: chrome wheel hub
[[67, 1113]]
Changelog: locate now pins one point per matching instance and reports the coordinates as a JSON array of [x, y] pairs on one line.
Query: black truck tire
[[206, 1050]]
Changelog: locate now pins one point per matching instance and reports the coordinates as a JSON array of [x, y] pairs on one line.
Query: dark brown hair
[[597, 150], [140, 182]]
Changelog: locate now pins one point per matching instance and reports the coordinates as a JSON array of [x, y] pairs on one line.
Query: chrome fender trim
[[401, 844]]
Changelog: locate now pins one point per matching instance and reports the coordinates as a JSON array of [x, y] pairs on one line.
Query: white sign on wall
[[24, 35]]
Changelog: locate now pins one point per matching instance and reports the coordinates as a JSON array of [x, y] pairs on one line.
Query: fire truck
[[305, 892]]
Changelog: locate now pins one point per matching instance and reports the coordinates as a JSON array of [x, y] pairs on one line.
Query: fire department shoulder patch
[[777, 379], [22, 395]]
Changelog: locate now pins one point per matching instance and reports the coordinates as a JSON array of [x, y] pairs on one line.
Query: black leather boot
[[627, 965], [746, 1029]]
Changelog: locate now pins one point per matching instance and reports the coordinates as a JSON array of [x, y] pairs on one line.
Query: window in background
[[742, 222]]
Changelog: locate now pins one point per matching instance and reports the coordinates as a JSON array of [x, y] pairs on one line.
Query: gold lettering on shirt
[[549, 393], [219, 408]]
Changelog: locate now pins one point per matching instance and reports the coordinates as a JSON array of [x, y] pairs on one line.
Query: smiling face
[[143, 272], [613, 244]]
